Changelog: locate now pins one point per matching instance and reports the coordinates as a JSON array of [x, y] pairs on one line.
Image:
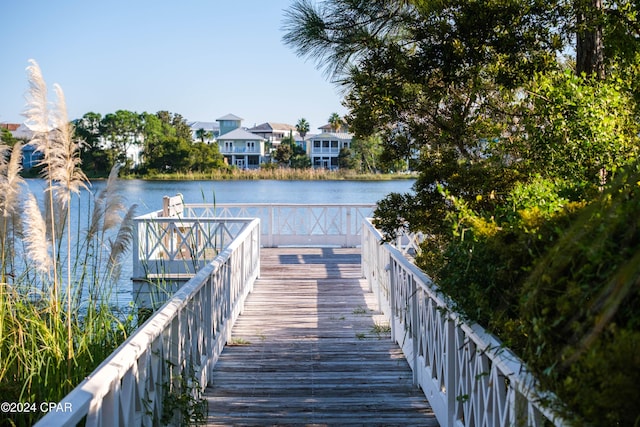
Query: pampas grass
[[56, 320]]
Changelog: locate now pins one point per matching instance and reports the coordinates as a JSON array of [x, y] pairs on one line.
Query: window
[[228, 146], [251, 146]]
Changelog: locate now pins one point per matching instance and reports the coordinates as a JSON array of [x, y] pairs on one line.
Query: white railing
[[469, 378], [183, 338], [179, 244], [295, 224]]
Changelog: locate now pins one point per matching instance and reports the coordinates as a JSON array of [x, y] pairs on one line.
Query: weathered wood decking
[[311, 348]]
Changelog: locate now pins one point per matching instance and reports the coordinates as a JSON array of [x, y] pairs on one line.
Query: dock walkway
[[311, 348]]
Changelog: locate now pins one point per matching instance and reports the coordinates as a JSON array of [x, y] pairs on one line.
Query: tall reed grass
[[56, 320], [279, 173]]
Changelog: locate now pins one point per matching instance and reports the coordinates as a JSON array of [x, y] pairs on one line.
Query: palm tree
[[335, 121], [302, 127], [202, 134]]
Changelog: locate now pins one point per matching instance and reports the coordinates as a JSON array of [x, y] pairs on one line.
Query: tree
[[346, 160], [335, 121], [6, 137], [97, 160], [205, 157], [433, 78], [202, 134], [589, 38], [302, 127], [167, 143], [122, 130], [512, 142], [283, 154]]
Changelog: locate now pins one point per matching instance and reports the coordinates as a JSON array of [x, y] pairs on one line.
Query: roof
[[230, 117], [329, 127], [240, 134], [204, 125], [271, 126], [331, 135], [10, 126]]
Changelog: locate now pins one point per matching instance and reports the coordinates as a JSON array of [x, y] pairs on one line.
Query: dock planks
[[311, 348]]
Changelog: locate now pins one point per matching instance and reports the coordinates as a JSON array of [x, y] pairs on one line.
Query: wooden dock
[[311, 348]]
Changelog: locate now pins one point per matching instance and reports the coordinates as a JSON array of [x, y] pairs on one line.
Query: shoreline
[[273, 174]]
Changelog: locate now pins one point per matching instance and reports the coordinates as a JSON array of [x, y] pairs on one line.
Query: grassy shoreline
[[273, 174]]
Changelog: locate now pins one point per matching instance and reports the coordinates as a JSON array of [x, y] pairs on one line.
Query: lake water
[[148, 196]]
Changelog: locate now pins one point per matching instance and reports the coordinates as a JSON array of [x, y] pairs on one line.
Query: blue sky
[[199, 58]]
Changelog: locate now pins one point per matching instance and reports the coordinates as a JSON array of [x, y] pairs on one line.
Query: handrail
[[179, 244], [186, 333], [295, 224], [467, 375]]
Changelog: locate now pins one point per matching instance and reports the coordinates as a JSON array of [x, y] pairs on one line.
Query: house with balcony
[[323, 149], [240, 147]]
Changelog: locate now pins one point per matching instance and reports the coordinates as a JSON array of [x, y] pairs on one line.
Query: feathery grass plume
[[3, 158], [121, 243], [38, 120], [64, 168], [114, 202], [10, 183], [109, 205], [37, 110], [35, 239]]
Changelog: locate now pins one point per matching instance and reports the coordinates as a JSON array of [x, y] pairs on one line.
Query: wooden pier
[[311, 348]]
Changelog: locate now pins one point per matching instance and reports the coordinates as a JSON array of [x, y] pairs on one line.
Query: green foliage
[[290, 154], [6, 137], [183, 404], [559, 283], [346, 159], [579, 307], [579, 130], [302, 127], [516, 161]]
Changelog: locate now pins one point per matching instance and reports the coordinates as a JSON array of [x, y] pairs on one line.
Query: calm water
[[148, 196]]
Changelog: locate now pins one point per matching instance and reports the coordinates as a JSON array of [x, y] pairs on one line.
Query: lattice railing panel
[[295, 224], [184, 337], [469, 378]]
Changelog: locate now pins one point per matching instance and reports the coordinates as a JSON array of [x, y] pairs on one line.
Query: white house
[[323, 149], [240, 147]]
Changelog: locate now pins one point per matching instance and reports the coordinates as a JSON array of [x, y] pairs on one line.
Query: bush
[[559, 282]]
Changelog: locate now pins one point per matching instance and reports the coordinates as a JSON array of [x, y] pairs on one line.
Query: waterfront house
[[324, 149], [240, 147]]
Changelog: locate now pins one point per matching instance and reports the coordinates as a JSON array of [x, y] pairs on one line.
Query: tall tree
[[202, 134], [335, 121], [589, 38], [123, 131], [95, 158], [302, 127]]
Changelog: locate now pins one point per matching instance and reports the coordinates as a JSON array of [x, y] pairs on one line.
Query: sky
[[202, 59]]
